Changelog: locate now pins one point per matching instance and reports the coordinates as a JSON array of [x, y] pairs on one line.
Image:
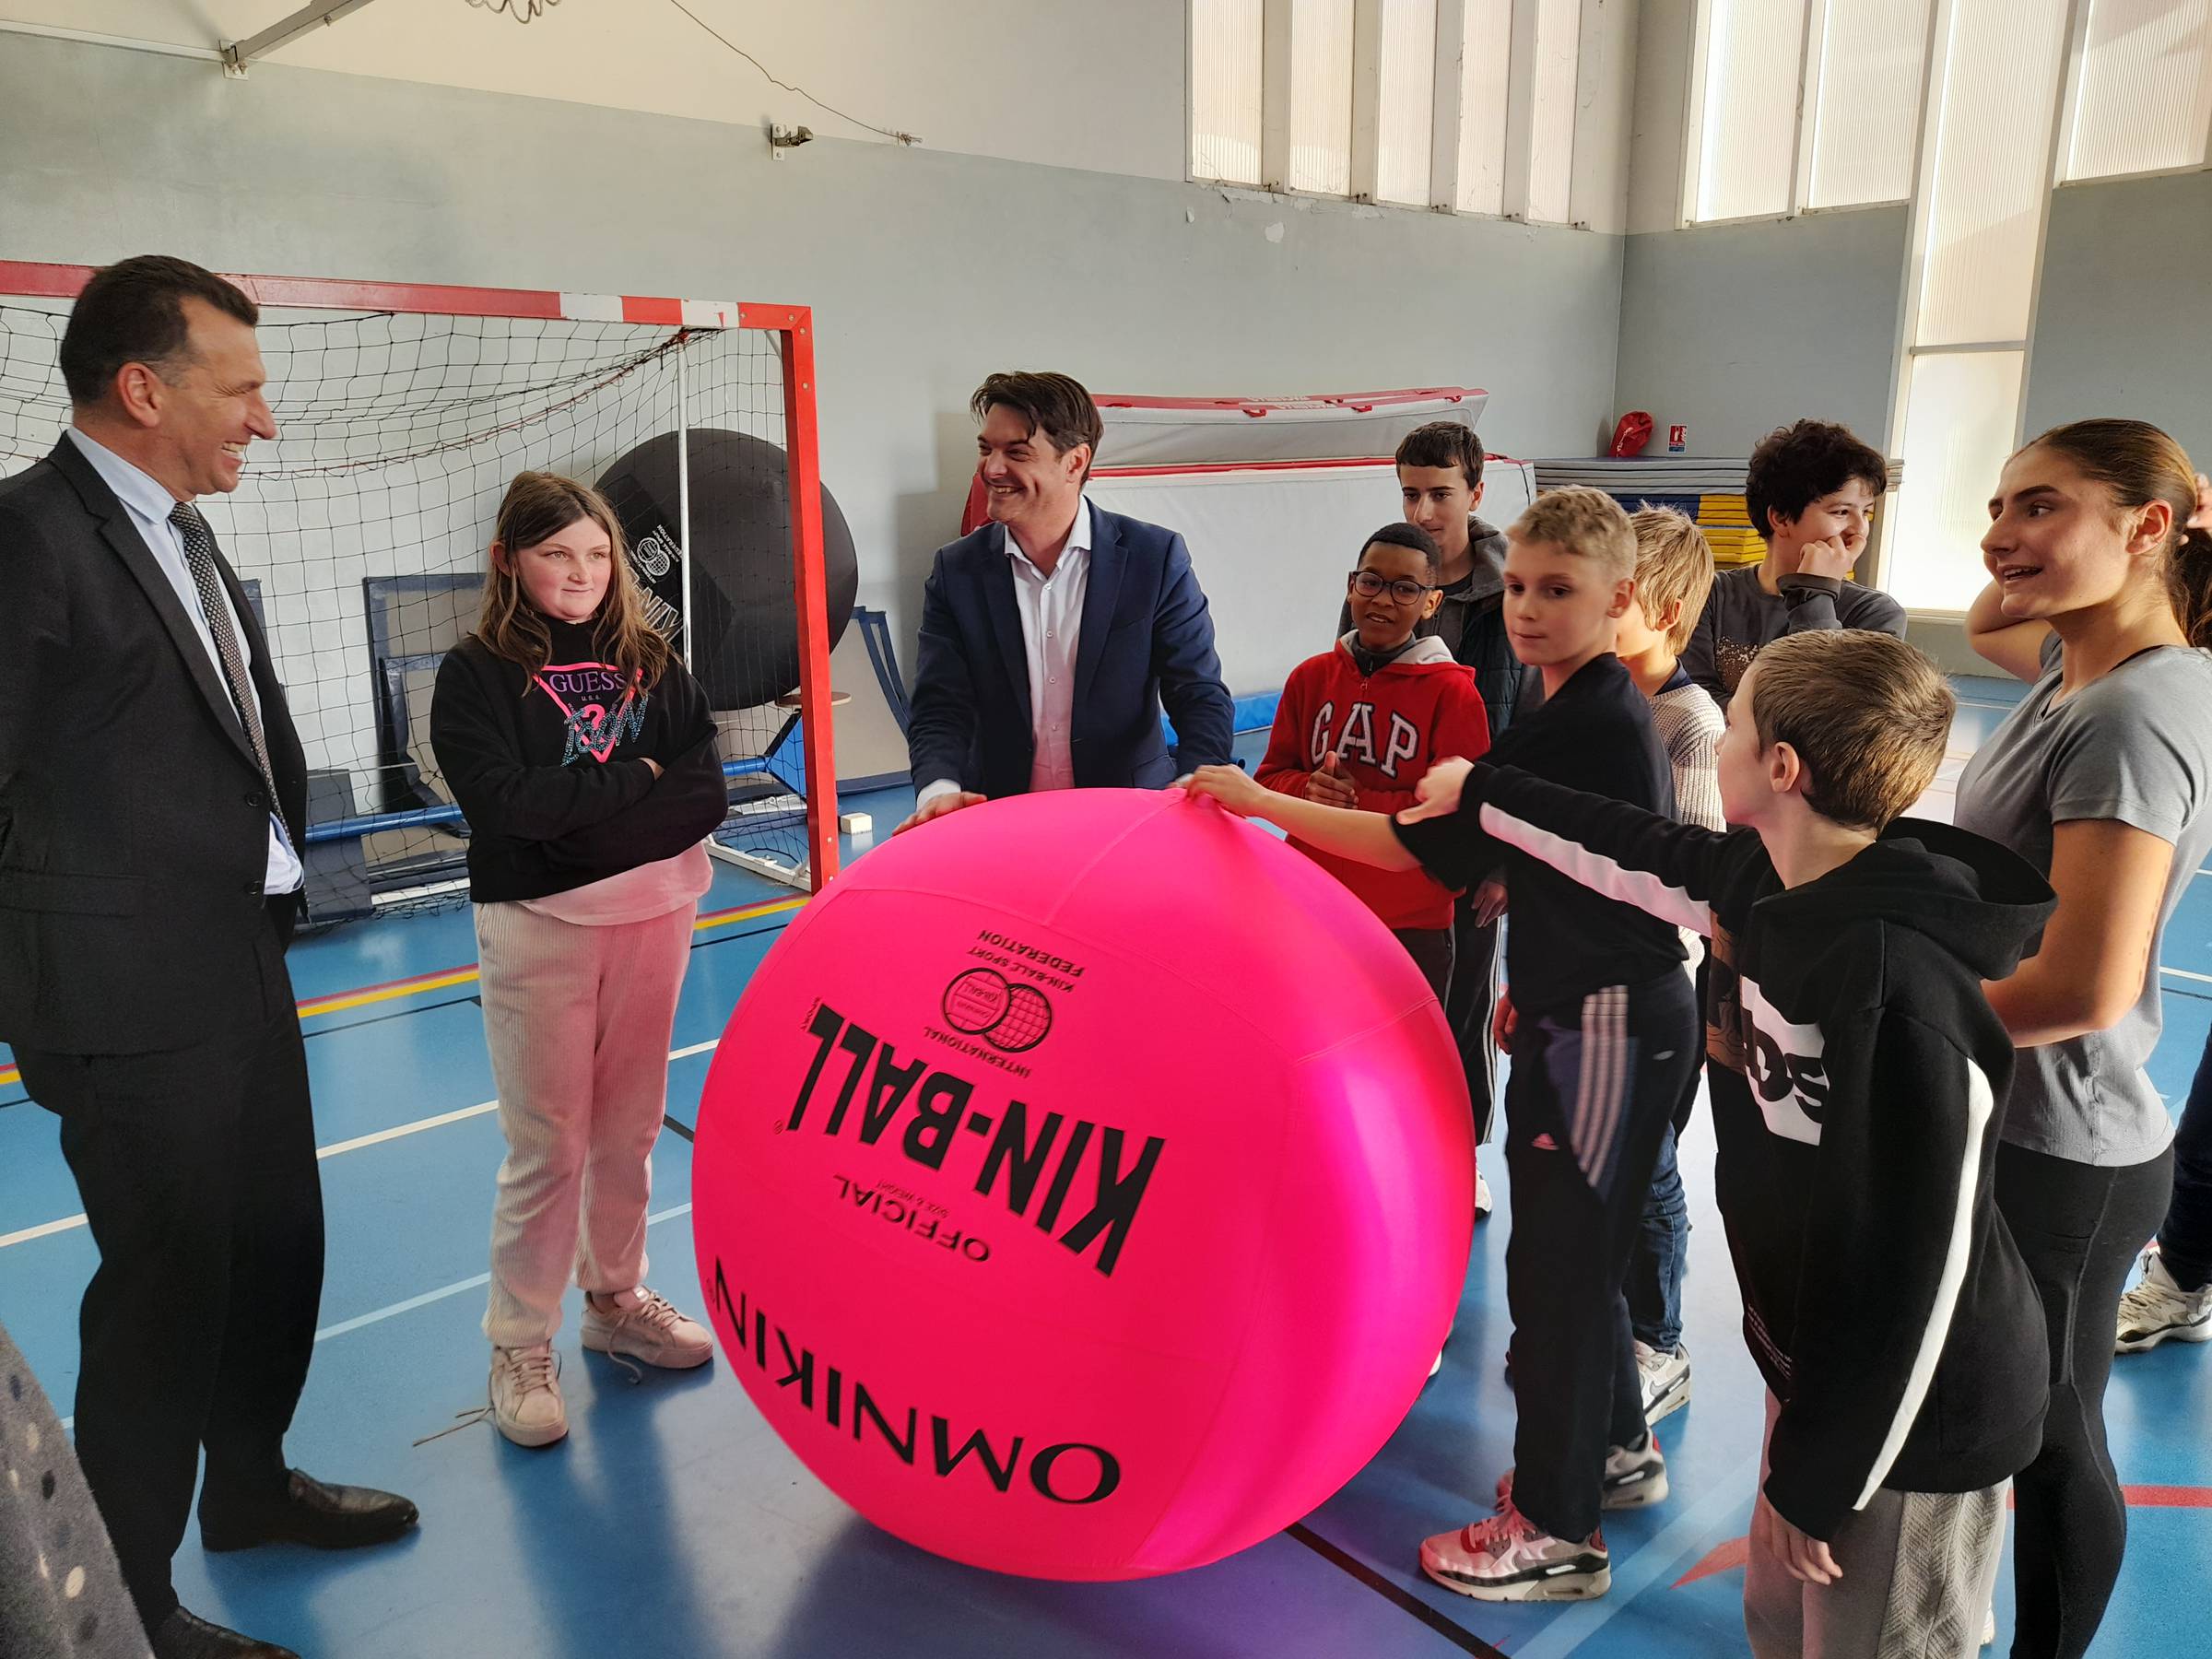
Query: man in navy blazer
[[1053, 636]]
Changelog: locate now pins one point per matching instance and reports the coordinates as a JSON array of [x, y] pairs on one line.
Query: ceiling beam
[[236, 54]]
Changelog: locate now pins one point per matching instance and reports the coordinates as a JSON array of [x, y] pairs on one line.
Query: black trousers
[[1470, 1004], [2079, 1227], [2185, 1236], [1431, 948], [197, 1173], [1586, 1104]]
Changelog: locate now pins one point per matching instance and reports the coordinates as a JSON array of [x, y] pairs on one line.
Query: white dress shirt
[[149, 504], [1052, 627]]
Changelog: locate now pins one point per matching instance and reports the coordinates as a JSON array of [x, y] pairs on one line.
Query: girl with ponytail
[[2100, 548]]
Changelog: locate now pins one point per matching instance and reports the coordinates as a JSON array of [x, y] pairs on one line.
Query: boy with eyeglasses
[[1358, 725]]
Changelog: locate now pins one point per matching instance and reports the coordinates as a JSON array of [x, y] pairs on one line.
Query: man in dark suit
[[1051, 636], [153, 796]]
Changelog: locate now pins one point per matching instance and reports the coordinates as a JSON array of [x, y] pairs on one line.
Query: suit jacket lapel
[[1006, 619], [1101, 593], [121, 535]]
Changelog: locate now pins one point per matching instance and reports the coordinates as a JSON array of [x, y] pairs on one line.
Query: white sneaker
[[1482, 1198], [1665, 1379], [1505, 1557], [1635, 1476], [2157, 1308], [645, 1326], [1989, 1628], [525, 1395]]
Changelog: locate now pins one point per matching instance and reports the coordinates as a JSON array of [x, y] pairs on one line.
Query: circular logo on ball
[[1026, 1023], [977, 1000], [983, 1003]]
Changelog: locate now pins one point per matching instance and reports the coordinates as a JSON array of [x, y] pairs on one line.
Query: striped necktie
[[199, 559]]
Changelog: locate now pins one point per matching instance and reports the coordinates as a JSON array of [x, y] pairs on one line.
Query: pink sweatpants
[[577, 1020]]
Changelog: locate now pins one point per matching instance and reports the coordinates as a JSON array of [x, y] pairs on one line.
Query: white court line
[[425, 1299], [2202, 978], [69, 1223], [428, 1296], [417, 1127]]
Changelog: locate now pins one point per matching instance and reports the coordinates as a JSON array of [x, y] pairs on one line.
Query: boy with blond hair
[[1674, 574], [1601, 1021]]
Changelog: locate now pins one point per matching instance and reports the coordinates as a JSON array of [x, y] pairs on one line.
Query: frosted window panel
[[1551, 135], [2144, 98], [1409, 101], [1992, 146], [1320, 96], [1961, 413], [1874, 61], [1747, 144], [1225, 89], [1486, 54]]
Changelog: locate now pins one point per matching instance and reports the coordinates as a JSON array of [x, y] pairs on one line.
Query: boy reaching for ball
[[1856, 1072], [1358, 726], [1603, 1028]]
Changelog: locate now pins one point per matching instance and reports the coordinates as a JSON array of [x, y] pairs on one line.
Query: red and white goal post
[[360, 533]]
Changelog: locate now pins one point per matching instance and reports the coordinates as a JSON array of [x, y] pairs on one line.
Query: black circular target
[[745, 646]]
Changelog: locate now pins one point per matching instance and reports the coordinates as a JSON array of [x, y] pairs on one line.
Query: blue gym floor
[[672, 1521]]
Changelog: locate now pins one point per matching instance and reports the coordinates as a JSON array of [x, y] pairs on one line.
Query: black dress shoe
[[184, 1637], [322, 1517]]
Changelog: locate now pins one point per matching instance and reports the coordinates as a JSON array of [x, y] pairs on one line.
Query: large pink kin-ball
[[1083, 1186]]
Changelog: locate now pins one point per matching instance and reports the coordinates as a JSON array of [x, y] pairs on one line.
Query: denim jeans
[[1662, 1249]]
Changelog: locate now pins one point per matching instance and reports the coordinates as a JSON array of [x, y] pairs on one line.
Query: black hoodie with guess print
[[550, 767], [1857, 1077]]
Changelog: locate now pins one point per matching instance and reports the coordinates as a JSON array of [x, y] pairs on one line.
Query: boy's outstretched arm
[[1364, 837], [1889, 1237], [1670, 870]]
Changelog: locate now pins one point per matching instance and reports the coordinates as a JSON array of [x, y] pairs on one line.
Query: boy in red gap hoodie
[[1358, 725]]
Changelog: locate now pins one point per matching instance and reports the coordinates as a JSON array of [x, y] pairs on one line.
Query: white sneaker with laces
[[525, 1395], [1482, 1197], [1665, 1379], [644, 1325], [1635, 1476], [2157, 1308], [1505, 1557]]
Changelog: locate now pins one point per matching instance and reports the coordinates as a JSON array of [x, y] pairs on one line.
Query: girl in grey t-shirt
[[2102, 777]]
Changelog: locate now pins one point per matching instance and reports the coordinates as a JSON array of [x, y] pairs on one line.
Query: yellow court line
[[345, 1000]]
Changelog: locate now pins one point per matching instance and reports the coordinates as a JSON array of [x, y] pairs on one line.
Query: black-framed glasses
[[1367, 584]]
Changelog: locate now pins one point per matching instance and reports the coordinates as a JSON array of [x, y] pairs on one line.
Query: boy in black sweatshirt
[[1602, 1025], [1856, 1075]]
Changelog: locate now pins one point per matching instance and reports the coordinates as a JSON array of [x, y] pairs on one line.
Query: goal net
[[360, 534]]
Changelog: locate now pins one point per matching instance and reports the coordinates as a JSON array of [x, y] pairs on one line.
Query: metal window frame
[[1928, 144], [1811, 70], [2070, 115], [1190, 104], [1447, 109]]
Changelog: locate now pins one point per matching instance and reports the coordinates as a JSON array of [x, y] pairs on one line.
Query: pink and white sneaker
[[644, 1325], [1506, 1557]]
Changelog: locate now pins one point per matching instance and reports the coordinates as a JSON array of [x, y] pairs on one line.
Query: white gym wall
[[1042, 222]]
